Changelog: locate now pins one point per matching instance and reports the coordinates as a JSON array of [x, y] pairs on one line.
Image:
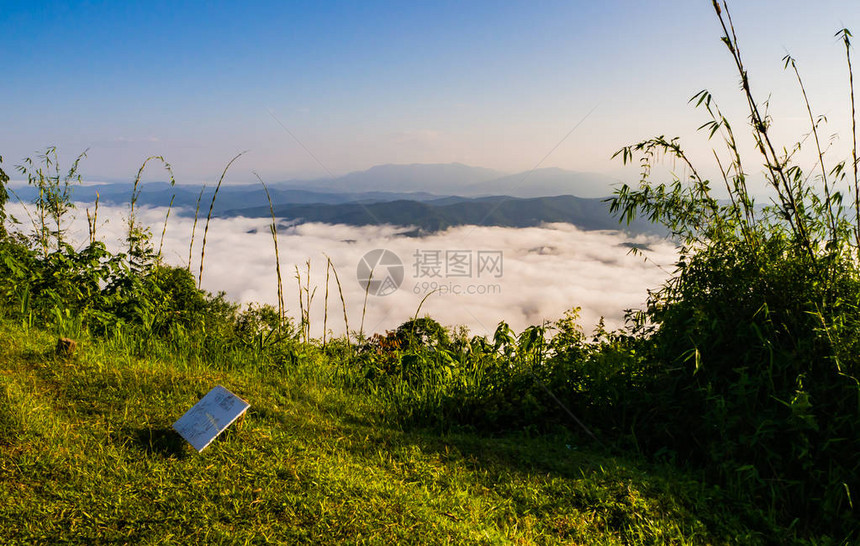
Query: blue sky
[[488, 83]]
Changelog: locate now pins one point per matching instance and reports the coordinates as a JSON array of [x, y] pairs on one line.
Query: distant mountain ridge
[[159, 194], [463, 180], [427, 197], [436, 215], [440, 179], [416, 182]]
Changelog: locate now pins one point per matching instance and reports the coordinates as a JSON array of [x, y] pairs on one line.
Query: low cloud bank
[[478, 276]]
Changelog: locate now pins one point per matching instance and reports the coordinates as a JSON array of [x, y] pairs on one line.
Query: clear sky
[[488, 83]]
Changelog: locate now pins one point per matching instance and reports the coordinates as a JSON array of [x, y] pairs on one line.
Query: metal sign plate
[[210, 417]]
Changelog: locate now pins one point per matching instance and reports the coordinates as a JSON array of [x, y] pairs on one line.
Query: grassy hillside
[[87, 455]]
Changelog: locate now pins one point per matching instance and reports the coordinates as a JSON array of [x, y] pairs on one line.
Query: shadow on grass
[[561, 452], [163, 441]]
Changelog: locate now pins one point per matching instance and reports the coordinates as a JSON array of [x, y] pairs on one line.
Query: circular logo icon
[[380, 272]]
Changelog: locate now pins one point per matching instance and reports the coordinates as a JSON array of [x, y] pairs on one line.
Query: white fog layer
[[478, 275]]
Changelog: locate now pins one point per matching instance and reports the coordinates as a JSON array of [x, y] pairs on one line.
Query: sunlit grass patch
[[89, 456]]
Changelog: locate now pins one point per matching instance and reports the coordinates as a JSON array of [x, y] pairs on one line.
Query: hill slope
[[87, 456]]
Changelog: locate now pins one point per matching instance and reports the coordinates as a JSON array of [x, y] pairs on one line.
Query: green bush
[[754, 338]]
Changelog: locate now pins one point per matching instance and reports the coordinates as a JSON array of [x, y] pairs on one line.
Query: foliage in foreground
[[754, 340], [323, 457], [743, 369], [75, 430]]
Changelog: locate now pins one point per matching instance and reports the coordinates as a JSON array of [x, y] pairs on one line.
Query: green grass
[[87, 455]]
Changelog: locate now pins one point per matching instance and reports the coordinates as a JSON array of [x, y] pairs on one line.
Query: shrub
[[755, 336]]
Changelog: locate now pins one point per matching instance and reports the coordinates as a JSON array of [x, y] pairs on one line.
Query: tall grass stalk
[[778, 177], [301, 304], [164, 227], [418, 309], [26, 209], [136, 187], [306, 296], [342, 300], [831, 219], [325, 303], [194, 226], [364, 307], [209, 217], [4, 197], [274, 230], [309, 295], [845, 34], [42, 235], [91, 220]]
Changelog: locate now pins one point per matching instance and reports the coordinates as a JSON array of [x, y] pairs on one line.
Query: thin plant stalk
[[301, 301], [306, 297], [364, 307], [418, 310], [342, 300], [91, 221], [43, 230], [779, 178], [830, 218], [421, 303], [325, 303], [164, 227], [64, 200], [4, 197], [135, 189], [41, 181], [274, 230], [310, 296], [209, 217], [194, 226], [26, 209], [846, 35], [737, 190]]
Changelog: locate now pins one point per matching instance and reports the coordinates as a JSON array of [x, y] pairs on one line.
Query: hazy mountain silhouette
[[439, 214], [462, 180], [440, 179], [547, 182], [428, 197], [418, 182], [159, 194]]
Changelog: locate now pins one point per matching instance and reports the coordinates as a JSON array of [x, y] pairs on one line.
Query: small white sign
[[210, 417]]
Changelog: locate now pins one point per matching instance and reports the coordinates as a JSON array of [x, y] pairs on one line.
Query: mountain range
[[439, 214], [427, 197], [463, 180]]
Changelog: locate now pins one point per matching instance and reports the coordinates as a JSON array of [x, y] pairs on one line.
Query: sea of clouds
[[476, 276]]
